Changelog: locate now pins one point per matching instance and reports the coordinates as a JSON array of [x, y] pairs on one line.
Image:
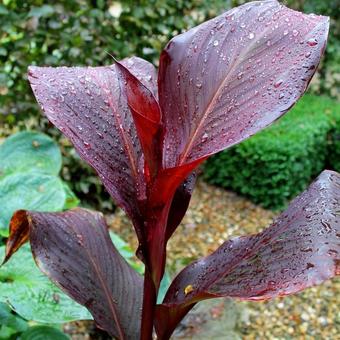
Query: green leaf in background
[[31, 191], [165, 284], [71, 200], [10, 324], [43, 333], [32, 295], [29, 150], [126, 251]]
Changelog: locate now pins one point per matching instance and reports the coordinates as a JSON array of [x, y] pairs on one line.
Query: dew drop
[[281, 95], [87, 145], [312, 42], [310, 265], [240, 75], [295, 33], [251, 35], [205, 137], [285, 32], [278, 83], [199, 85], [215, 43]]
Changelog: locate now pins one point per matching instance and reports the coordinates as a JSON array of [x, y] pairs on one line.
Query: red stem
[[154, 267], [149, 303]]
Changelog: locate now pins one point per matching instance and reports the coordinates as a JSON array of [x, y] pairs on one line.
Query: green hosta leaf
[[32, 295], [126, 251], [32, 191], [29, 150], [10, 323], [43, 333], [72, 200]]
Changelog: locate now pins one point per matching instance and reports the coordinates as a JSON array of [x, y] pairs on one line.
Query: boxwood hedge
[[279, 162]]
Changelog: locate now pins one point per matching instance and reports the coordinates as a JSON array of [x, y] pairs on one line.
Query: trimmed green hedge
[[334, 145], [280, 162]]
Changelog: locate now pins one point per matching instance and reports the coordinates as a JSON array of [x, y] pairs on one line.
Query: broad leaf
[[299, 250], [29, 150], [32, 295], [74, 249], [230, 77], [87, 105], [29, 190]]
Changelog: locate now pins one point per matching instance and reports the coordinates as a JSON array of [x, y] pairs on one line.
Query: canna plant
[[145, 134]]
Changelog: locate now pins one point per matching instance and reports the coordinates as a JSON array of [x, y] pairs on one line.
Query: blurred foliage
[[83, 32], [334, 145], [279, 162], [29, 177]]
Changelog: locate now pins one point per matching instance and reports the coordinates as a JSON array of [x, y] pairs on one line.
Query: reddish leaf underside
[[299, 250], [230, 77], [147, 116], [75, 251], [87, 105]]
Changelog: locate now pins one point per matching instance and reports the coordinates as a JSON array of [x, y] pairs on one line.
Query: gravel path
[[215, 215]]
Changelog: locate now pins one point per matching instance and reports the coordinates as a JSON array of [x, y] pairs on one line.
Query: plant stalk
[[149, 304]]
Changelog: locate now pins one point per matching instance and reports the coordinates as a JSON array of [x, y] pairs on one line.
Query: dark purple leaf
[[299, 250], [230, 77], [75, 251], [87, 105]]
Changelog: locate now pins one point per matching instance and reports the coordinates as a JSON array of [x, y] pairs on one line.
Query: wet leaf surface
[[87, 105], [230, 77], [299, 250], [75, 251], [32, 295]]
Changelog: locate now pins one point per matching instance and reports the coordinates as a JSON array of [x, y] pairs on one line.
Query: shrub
[[334, 144], [280, 162], [81, 32]]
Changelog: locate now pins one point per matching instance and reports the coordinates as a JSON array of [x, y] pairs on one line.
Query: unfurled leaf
[[32, 295], [299, 250], [146, 115], [27, 150], [230, 77], [29, 190], [87, 105], [75, 251]]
